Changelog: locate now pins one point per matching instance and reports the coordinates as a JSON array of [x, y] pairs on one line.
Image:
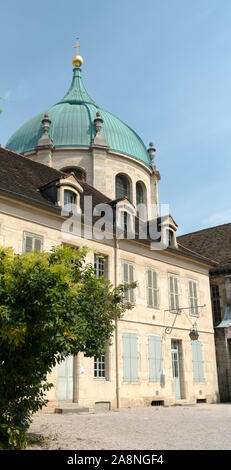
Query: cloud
[[6, 95], [218, 218]]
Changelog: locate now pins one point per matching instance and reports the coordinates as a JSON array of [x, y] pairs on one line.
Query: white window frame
[[97, 260], [193, 300], [154, 290], [170, 293], [34, 237], [131, 292], [100, 367]]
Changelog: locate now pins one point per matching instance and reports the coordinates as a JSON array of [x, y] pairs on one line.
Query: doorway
[[66, 380], [176, 369]]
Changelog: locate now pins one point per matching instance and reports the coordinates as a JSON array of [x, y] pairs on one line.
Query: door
[[66, 382], [176, 369]]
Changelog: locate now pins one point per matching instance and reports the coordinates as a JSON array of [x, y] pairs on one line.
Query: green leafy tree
[[51, 305]]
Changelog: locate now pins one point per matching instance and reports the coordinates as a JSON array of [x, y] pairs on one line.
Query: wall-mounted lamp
[[193, 335]]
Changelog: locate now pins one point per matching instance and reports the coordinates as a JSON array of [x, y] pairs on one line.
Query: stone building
[[75, 153], [215, 243]]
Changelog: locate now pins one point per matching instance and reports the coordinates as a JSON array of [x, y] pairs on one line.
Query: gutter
[[116, 326], [21, 197]]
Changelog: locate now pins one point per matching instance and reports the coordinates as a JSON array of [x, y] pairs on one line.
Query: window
[[216, 306], [99, 367], [100, 265], [32, 242], [198, 363], [130, 357], [152, 288], [78, 172], [128, 275], [193, 298], [139, 194], [173, 291], [122, 187], [155, 358], [69, 198], [125, 222]]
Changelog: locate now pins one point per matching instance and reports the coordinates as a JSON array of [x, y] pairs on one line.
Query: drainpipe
[[116, 326]]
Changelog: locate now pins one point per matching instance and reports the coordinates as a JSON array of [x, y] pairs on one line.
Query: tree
[[51, 305]]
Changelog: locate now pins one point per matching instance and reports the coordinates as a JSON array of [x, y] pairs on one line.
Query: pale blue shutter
[[126, 358], [134, 358], [198, 363], [130, 358], [155, 358]]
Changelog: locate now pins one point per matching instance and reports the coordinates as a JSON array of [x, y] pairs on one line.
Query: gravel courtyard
[[202, 426]]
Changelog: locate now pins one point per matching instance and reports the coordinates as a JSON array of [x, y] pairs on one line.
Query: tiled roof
[[214, 243], [22, 177]]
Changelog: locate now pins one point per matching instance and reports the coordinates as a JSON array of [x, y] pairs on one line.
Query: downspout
[[116, 325]]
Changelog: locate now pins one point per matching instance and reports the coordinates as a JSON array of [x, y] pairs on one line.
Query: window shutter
[[149, 288], [125, 279], [198, 364], [134, 358], [155, 358], [37, 245], [131, 279], [126, 358], [130, 357], [28, 244]]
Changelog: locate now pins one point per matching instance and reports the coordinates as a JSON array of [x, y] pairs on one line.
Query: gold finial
[[77, 60]]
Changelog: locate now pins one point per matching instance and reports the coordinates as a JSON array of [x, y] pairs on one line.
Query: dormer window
[[125, 222], [171, 238], [69, 198]]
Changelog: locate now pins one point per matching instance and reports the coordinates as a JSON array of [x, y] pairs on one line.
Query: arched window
[[139, 194], [78, 172], [122, 187], [141, 200]]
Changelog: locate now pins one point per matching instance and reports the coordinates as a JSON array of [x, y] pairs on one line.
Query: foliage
[[51, 305]]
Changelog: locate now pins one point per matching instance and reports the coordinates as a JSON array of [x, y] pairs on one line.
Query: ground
[[202, 426]]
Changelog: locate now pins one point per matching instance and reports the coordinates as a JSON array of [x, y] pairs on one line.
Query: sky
[[161, 66]]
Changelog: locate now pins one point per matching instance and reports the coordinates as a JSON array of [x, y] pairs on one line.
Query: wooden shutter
[[152, 292], [37, 244], [176, 292], [134, 358], [171, 293], [198, 363], [130, 357], [129, 276], [125, 279], [155, 358], [149, 288], [131, 279]]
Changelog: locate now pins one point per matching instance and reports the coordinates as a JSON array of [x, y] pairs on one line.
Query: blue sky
[[162, 66]]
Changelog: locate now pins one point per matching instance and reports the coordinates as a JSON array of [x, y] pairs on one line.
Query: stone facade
[[143, 321]]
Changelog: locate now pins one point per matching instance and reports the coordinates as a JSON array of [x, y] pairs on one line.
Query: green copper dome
[[72, 125]]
